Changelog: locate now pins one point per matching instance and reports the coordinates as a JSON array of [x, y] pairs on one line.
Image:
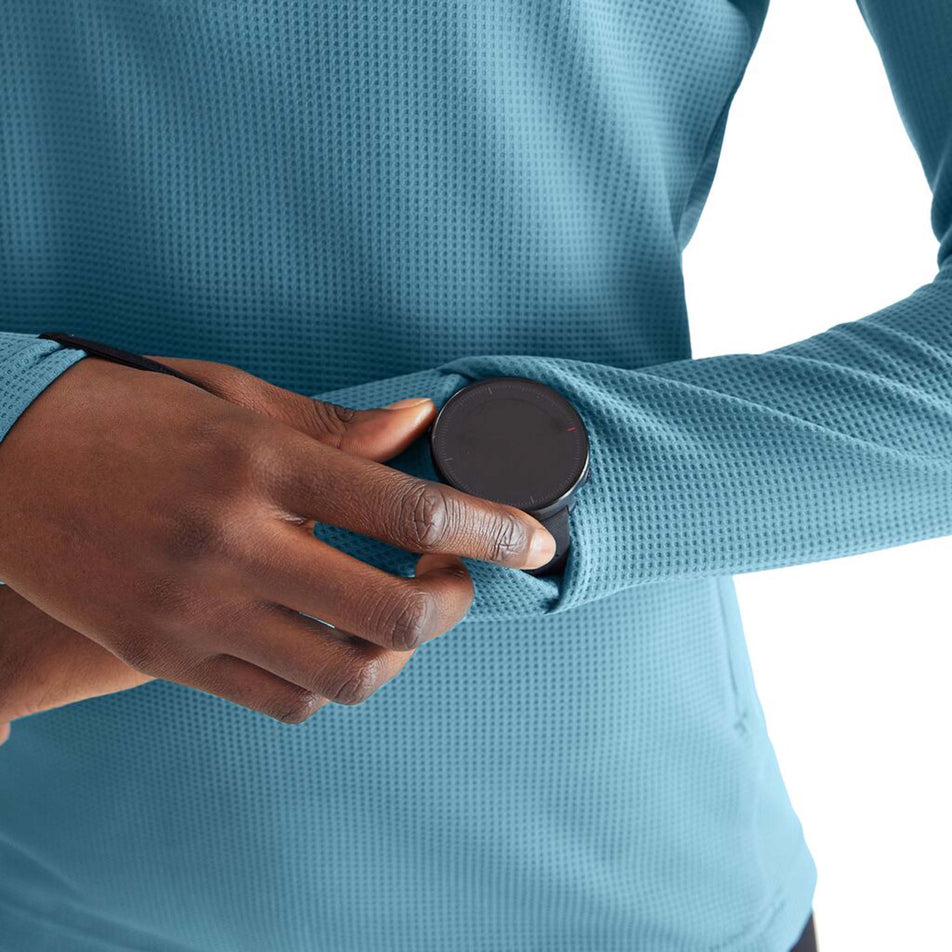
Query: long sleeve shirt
[[368, 201]]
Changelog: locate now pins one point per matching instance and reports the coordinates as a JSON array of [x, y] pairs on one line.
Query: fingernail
[[406, 404], [541, 549]]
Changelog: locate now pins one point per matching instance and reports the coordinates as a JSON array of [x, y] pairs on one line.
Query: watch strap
[[558, 526], [107, 352]]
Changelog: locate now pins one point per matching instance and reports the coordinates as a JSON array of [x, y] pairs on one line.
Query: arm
[[832, 446], [839, 444], [184, 548]]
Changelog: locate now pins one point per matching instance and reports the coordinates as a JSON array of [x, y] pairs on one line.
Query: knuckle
[[330, 419], [409, 621], [241, 388], [164, 596], [359, 683], [224, 454], [294, 707], [428, 516], [509, 538], [223, 440], [196, 533], [143, 656]]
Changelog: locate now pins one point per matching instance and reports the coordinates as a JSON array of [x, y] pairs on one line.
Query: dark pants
[[807, 940]]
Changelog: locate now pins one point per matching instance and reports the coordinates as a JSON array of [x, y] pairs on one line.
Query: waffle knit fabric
[[374, 200]]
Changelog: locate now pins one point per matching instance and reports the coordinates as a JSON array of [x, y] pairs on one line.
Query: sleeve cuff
[[28, 366]]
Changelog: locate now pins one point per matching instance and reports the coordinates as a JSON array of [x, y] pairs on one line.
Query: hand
[[44, 664], [174, 527]]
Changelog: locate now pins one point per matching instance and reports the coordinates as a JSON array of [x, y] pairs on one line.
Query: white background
[[820, 214]]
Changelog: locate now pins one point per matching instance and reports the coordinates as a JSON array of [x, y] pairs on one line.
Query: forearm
[[836, 445], [831, 446], [44, 664], [28, 366]]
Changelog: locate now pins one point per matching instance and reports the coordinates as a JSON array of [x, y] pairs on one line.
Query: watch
[[519, 442]]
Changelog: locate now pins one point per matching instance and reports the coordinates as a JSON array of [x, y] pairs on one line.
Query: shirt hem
[[777, 931]]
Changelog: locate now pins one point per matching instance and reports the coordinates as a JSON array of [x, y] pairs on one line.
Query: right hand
[[174, 527]]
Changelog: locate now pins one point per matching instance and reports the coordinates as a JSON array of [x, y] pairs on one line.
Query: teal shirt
[[369, 200]]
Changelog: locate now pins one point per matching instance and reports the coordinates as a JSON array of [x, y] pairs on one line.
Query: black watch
[[515, 441]]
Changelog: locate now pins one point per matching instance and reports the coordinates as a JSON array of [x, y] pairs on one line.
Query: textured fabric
[[370, 201], [27, 367]]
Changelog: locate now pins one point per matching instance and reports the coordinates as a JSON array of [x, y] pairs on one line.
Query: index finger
[[316, 481]]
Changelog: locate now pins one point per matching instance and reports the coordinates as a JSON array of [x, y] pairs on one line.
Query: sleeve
[[832, 446], [28, 366]]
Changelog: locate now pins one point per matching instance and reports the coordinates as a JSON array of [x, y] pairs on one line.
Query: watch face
[[512, 440]]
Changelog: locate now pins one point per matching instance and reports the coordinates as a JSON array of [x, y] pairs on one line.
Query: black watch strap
[[558, 526], [97, 349]]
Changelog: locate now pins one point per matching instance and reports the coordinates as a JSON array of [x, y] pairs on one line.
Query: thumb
[[378, 434]]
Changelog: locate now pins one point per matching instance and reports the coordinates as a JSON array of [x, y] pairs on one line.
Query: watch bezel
[[565, 497]]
